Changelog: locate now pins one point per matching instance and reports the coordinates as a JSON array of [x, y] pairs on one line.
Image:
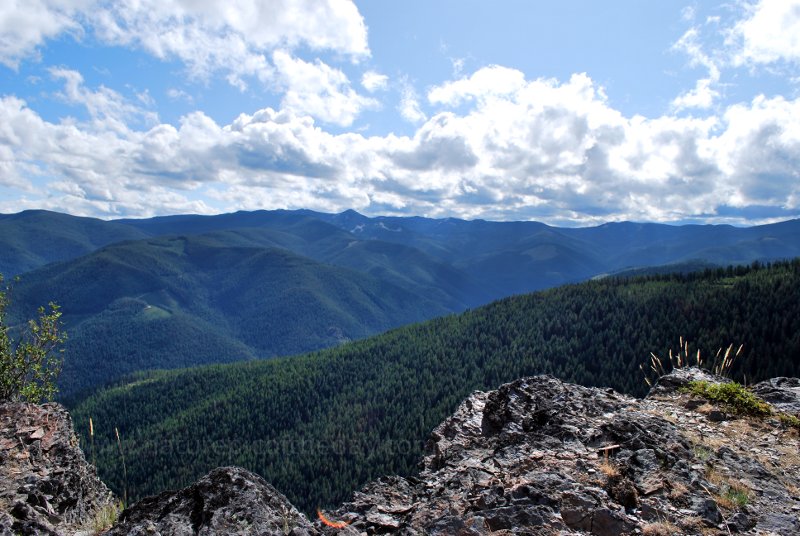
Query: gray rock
[[716, 415], [46, 485], [577, 510], [672, 382], [535, 457], [740, 522], [707, 510], [539, 456], [228, 500], [606, 522], [783, 524], [783, 393]]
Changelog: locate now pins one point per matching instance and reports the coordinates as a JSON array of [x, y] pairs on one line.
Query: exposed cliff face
[[539, 457], [46, 486]]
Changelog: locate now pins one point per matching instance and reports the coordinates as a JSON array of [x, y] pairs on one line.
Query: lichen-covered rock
[[540, 456], [227, 501], [679, 377], [783, 393], [46, 485]]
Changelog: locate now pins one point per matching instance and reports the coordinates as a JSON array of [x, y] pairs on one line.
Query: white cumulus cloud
[[374, 81], [234, 37], [409, 106], [546, 149], [26, 24], [769, 33], [492, 81], [704, 94], [318, 90]]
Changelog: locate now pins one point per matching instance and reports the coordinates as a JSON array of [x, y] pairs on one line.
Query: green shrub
[[732, 395], [789, 420], [736, 497], [29, 367]]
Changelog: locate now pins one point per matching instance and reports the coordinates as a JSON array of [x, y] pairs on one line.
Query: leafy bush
[[29, 367]]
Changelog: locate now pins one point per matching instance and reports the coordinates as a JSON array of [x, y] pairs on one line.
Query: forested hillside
[[318, 425], [479, 260], [184, 290], [182, 301]]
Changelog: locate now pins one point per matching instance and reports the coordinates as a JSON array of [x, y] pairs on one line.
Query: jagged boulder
[[680, 377], [540, 456], [228, 500], [783, 393], [46, 485]]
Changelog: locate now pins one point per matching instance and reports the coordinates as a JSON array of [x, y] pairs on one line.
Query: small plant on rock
[[104, 518], [735, 496], [732, 395], [789, 420]]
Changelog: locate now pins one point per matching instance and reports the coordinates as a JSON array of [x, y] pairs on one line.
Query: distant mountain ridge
[[546, 255], [33, 238], [264, 283]]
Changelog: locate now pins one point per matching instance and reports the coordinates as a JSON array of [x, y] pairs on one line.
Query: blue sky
[[571, 113]]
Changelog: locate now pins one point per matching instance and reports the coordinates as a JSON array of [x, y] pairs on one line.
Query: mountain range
[[319, 425], [185, 290]]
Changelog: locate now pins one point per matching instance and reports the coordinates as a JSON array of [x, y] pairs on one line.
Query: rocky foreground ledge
[[46, 485], [538, 457]]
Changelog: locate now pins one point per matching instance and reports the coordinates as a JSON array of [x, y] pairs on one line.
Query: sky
[[571, 113]]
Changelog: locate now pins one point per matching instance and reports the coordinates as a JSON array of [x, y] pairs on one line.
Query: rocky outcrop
[[539, 456], [46, 486], [228, 500], [783, 393]]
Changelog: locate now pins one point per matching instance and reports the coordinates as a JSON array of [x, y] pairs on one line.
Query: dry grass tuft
[[104, 518], [677, 490], [661, 528], [735, 496], [721, 364], [608, 468], [732, 494]]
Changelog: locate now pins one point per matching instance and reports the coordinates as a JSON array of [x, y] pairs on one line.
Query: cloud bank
[[492, 144], [523, 149]]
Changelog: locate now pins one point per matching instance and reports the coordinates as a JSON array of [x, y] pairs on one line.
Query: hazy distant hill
[[319, 425], [169, 302], [523, 256], [460, 263], [34, 238], [257, 284]]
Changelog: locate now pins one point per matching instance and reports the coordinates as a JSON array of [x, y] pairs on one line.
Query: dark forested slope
[[318, 425], [480, 260], [181, 301]]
